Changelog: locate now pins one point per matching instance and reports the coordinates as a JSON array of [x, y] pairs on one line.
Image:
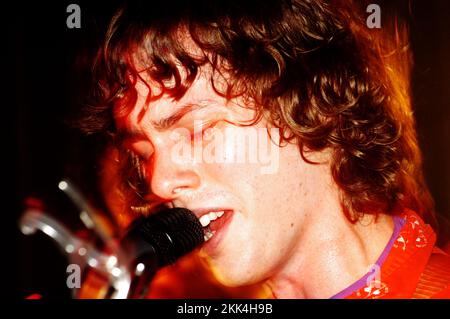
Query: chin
[[233, 276]]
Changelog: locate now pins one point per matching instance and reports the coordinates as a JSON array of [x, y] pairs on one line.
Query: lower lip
[[220, 226]]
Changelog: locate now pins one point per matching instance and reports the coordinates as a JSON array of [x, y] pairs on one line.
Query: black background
[[43, 81]]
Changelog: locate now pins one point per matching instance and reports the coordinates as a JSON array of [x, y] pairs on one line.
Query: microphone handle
[[145, 268]]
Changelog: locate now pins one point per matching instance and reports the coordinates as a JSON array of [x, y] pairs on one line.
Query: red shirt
[[407, 271]]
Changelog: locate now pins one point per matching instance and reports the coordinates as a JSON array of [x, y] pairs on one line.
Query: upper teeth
[[207, 218]]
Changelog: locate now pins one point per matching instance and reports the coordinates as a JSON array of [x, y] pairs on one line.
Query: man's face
[[264, 198]]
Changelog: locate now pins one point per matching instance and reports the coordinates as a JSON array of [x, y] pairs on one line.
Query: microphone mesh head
[[171, 232]]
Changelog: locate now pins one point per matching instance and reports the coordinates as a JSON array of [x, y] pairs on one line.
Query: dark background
[[42, 79]]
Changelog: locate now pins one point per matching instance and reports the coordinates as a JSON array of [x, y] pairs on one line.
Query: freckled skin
[[288, 229]]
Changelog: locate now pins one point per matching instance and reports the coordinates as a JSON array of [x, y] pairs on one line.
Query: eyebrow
[[171, 120]]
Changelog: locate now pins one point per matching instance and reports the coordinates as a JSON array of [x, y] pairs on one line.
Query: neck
[[331, 254]]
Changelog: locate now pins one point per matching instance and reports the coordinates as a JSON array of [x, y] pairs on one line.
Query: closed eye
[[203, 131], [142, 148]]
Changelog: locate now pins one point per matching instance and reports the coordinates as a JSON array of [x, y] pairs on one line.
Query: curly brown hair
[[312, 66]]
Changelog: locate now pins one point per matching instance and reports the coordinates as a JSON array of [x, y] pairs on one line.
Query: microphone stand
[[115, 266]]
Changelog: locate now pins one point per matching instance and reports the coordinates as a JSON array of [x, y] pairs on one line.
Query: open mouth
[[212, 221]]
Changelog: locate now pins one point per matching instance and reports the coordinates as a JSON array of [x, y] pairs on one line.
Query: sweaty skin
[[287, 229]]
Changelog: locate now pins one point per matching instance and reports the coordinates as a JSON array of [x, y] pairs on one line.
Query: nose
[[170, 179]]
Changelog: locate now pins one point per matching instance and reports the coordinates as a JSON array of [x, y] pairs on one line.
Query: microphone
[[159, 240]]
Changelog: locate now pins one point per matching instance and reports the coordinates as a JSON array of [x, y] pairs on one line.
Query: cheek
[[249, 178], [280, 198], [229, 156], [239, 179]]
